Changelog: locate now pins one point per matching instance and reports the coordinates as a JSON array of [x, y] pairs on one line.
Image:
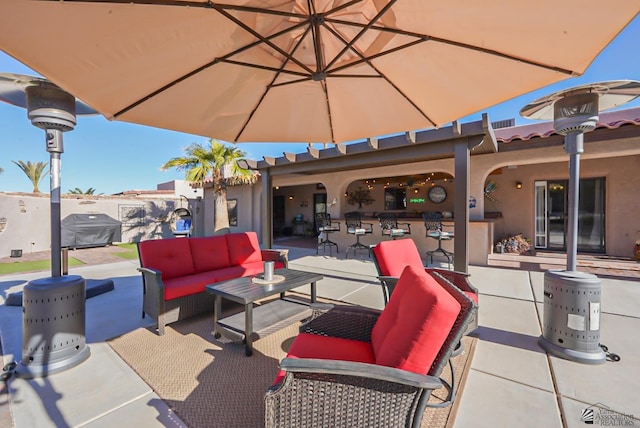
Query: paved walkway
[[512, 382]]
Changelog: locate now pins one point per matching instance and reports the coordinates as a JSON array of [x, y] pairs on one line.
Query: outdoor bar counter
[[481, 237]]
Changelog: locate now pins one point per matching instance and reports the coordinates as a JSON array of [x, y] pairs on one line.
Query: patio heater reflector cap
[[49, 107], [578, 101]]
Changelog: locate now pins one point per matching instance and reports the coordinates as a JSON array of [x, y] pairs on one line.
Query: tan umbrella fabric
[[305, 71]]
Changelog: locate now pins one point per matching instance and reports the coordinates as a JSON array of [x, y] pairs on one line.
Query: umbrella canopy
[[305, 70]]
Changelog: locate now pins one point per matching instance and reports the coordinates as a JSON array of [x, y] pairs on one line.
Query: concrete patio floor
[[512, 382]]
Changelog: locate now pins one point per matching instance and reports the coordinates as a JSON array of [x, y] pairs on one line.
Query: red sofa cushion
[[393, 256], [171, 256], [243, 248], [415, 323], [209, 253], [186, 285], [308, 345]]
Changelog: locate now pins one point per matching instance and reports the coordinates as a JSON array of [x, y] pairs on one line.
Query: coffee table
[[266, 318]]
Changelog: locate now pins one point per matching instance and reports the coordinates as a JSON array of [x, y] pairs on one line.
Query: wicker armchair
[[391, 257], [341, 372]]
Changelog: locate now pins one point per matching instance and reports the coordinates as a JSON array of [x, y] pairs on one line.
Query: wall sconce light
[[518, 185], [291, 197], [277, 187], [416, 191]]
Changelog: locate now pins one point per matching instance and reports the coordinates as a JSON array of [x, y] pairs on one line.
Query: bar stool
[[355, 227], [433, 224], [325, 226], [389, 226]]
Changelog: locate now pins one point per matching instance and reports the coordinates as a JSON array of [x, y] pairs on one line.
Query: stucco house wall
[[622, 181]]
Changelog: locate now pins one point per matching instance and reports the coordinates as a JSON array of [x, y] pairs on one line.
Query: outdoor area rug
[[208, 383]]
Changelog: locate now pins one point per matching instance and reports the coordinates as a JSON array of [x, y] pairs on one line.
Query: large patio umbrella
[[305, 70]]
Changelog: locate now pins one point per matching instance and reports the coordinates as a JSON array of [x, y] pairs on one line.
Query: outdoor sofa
[[176, 271]]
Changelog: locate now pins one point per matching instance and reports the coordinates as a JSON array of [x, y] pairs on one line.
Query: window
[[395, 199], [232, 210]]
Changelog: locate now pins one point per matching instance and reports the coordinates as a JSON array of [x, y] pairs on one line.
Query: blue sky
[[116, 156]]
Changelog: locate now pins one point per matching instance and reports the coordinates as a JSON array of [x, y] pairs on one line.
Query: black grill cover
[[90, 230]]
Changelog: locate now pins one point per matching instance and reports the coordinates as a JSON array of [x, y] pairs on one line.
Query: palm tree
[[79, 191], [34, 171], [202, 162]]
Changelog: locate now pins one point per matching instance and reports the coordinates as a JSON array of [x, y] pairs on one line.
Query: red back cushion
[[209, 253], [415, 323], [172, 256], [393, 256], [243, 248]]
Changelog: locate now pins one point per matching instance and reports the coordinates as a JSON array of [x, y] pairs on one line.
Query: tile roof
[[610, 120]]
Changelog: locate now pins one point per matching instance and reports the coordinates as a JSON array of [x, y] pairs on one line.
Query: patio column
[[266, 219], [461, 205]]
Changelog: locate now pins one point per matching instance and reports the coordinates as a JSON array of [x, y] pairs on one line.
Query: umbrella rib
[[264, 67], [224, 58], [326, 95], [260, 37], [351, 76], [362, 32], [426, 38], [270, 85], [368, 62], [379, 54]]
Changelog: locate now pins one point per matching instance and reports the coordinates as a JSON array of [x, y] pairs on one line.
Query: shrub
[[516, 244]]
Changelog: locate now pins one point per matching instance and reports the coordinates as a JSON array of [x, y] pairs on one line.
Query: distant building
[[175, 188]]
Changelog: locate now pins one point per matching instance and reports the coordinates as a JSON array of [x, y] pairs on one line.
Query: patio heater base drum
[[53, 326], [571, 322]]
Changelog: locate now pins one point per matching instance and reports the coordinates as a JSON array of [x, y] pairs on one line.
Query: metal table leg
[[217, 307], [248, 329]]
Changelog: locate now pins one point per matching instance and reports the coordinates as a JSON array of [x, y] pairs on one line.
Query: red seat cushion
[[308, 345], [415, 323], [393, 256], [172, 256], [243, 248], [186, 285], [209, 253]]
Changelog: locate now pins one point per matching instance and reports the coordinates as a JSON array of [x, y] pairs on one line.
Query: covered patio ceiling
[[458, 141]]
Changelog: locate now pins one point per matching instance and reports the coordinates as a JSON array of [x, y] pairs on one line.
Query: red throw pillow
[[243, 248], [393, 256], [415, 323]]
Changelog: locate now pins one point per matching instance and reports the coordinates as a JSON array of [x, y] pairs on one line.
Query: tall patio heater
[[571, 321], [53, 321]]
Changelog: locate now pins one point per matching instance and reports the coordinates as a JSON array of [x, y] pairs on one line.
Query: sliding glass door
[[551, 204]]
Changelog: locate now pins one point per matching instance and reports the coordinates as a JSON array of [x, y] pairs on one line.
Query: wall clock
[[437, 194]]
